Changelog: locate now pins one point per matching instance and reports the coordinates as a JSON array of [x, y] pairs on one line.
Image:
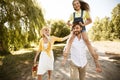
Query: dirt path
[[111, 69], [110, 63]]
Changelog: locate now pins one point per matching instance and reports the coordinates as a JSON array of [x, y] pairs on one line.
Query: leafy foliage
[[19, 22], [59, 29], [107, 28]]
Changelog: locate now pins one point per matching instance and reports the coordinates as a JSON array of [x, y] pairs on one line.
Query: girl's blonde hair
[[42, 30]]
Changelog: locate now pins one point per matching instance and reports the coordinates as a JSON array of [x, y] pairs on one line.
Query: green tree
[[59, 28], [95, 30], [19, 21], [107, 28], [116, 22]]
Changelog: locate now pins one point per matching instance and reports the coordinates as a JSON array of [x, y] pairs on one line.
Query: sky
[[61, 9]]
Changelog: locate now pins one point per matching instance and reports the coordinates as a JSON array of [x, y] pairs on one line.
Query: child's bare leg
[[49, 74], [91, 49], [39, 77]]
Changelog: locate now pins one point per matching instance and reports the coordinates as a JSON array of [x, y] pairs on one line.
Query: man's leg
[[82, 73], [73, 71]]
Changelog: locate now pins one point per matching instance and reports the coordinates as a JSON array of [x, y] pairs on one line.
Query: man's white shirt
[[78, 52]]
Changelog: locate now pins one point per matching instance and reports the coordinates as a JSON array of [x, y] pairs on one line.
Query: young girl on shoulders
[[82, 16]]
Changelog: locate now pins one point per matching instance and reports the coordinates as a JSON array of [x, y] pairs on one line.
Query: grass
[[15, 66], [18, 67]]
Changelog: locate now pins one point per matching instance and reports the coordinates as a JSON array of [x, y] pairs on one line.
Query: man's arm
[[98, 67]]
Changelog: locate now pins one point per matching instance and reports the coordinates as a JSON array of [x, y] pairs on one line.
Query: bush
[[4, 52]]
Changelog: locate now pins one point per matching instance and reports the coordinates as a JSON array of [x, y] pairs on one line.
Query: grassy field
[[18, 66]]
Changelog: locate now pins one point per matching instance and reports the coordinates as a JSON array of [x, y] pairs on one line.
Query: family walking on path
[[75, 45]]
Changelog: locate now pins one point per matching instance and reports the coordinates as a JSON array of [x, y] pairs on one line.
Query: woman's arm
[[38, 52], [35, 59], [36, 56], [66, 37], [60, 39], [48, 37]]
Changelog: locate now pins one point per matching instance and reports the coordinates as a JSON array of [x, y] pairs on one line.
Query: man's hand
[[65, 58], [35, 62], [63, 62], [98, 69]]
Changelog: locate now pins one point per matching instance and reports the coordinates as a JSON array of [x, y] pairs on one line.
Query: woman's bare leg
[[39, 77], [49, 74]]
